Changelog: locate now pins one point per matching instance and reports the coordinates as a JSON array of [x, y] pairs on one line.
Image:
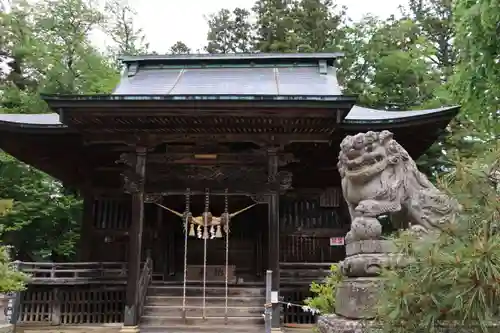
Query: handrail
[[52, 272], [144, 281]]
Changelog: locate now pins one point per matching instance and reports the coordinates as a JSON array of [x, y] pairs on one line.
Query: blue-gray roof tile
[[290, 81]]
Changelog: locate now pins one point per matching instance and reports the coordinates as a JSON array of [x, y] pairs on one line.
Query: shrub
[[324, 292], [11, 280], [453, 277]]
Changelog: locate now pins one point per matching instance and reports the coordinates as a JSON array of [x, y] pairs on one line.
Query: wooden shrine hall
[[199, 173]]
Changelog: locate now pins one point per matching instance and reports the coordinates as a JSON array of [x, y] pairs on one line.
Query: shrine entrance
[[206, 244]]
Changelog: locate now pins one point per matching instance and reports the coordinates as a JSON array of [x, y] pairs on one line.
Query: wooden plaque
[[214, 273]]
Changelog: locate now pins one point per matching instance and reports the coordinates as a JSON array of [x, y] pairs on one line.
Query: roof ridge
[[177, 79], [276, 72]]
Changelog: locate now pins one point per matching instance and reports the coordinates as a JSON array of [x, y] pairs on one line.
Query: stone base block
[[356, 297], [367, 264], [6, 328], [130, 329], [370, 246], [337, 324]]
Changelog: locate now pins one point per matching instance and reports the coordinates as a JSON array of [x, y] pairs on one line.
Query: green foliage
[[180, 48], [120, 28], [453, 276], [11, 280], [476, 83], [48, 50], [43, 222], [324, 292], [229, 32]]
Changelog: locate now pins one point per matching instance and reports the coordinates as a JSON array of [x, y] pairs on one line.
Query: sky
[[166, 21]]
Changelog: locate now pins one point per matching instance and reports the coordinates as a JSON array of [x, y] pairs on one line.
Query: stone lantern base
[[357, 293]]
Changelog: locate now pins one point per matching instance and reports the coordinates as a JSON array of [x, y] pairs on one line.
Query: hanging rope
[[187, 214], [206, 215], [199, 221], [226, 213]]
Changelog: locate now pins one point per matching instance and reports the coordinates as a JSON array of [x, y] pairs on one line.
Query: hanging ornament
[[218, 233], [226, 217], [218, 225]]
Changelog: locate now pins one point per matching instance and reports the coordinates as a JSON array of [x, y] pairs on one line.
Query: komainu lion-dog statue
[[380, 178]]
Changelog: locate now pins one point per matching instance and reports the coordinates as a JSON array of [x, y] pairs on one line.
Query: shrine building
[[199, 173]]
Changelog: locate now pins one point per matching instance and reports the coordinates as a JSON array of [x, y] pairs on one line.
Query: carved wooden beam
[[256, 157], [261, 140], [211, 181]]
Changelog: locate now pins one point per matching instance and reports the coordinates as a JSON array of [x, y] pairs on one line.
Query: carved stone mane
[[379, 177]]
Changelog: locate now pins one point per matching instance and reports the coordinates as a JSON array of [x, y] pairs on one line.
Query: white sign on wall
[[336, 241]]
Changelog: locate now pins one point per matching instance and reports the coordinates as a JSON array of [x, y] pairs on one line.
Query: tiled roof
[[276, 81]]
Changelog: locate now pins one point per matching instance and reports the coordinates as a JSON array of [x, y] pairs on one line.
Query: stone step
[[234, 283], [176, 290], [197, 311], [165, 321], [212, 300], [202, 329], [304, 273]]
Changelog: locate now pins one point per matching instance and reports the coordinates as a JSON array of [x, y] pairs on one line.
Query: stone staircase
[[163, 308]]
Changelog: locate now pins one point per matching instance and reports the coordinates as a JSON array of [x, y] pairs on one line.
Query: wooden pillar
[[56, 307], [135, 239], [87, 225], [274, 233]]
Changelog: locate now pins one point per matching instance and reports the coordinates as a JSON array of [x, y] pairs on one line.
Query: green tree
[[385, 64], [119, 26], [229, 32], [43, 222], [180, 48], [273, 26], [476, 84], [316, 25], [434, 19], [48, 50]]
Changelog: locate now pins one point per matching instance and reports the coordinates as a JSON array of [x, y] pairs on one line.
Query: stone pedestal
[[5, 326], [356, 298], [357, 294]]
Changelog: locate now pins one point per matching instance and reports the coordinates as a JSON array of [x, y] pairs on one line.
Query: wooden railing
[[75, 273], [295, 279], [303, 272], [144, 281]]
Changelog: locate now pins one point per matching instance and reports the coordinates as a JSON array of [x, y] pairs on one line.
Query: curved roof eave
[[40, 121], [358, 116], [361, 116]]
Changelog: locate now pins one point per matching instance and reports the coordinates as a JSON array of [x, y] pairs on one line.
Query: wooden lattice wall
[[70, 305]]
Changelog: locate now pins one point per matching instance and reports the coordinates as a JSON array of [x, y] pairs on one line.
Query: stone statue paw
[[376, 208], [349, 237], [364, 228], [418, 230]]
